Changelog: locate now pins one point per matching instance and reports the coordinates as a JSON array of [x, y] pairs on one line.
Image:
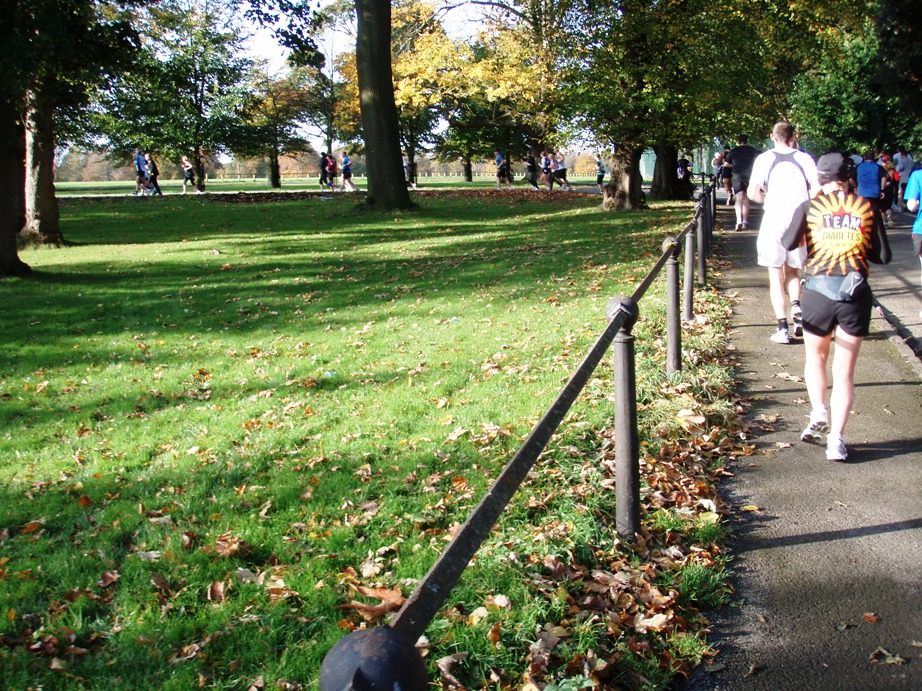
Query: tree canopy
[[631, 74]]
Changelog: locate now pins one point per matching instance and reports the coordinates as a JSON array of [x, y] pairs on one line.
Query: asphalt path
[[827, 556]]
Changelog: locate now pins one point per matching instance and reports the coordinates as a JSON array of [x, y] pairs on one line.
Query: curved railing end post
[[373, 659]]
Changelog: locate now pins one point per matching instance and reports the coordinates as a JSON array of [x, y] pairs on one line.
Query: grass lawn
[[234, 432]]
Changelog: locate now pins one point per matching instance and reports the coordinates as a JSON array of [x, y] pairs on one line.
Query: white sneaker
[[817, 427], [835, 449], [781, 336]]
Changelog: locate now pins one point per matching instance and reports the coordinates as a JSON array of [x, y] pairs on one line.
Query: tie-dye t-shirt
[[839, 234]]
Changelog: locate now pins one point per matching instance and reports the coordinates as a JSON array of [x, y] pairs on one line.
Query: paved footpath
[[829, 566]]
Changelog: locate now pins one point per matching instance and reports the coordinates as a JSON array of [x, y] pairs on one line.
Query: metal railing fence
[[386, 657]]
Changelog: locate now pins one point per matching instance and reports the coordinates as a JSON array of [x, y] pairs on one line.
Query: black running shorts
[[821, 315]]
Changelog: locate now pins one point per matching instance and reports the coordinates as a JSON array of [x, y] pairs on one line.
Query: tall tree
[[51, 51], [274, 116], [386, 189], [463, 144], [841, 101], [638, 78], [43, 219], [613, 86], [899, 35], [324, 96], [426, 65], [511, 78], [191, 97]]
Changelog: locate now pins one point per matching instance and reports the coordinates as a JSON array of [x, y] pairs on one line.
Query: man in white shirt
[[904, 165], [782, 179]]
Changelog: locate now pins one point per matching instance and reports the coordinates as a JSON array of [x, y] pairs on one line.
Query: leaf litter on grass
[[258, 487]]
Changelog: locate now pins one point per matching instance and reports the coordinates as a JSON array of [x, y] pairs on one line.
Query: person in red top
[[842, 234]]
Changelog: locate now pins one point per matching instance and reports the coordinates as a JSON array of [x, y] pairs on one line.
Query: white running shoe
[[781, 336], [817, 427], [835, 449]]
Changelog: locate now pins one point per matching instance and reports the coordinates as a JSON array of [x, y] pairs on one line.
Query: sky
[[461, 22]]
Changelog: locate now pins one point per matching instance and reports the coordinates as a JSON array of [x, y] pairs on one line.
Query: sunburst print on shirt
[[839, 235]]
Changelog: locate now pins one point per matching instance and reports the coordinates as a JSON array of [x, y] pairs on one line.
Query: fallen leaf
[[160, 583], [655, 623], [148, 556], [390, 600], [871, 618], [108, 578], [753, 669], [691, 421], [228, 545], [446, 666], [494, 634], [216, 591], [456, 434], [246, 576], [497, 602], [31, 527], [881, 655], [477, 616]]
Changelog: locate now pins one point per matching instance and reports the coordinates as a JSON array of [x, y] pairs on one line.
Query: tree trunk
[[275, 173], [624, 190], [43, 218], [386, 187], [468, 170], [198, 166], [12, 188], [664, 172], [666, 183]]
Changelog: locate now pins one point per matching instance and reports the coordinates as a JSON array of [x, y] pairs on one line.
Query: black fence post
[[688, 285], [701, 242], [712, 219], [673, 323], [707, 220], [627, 444]]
